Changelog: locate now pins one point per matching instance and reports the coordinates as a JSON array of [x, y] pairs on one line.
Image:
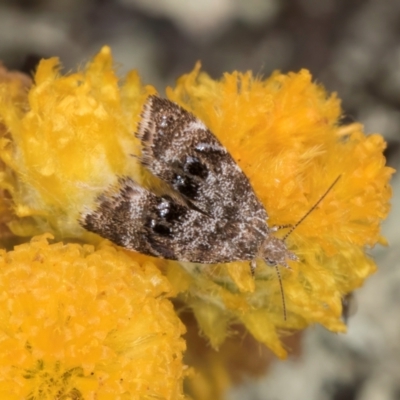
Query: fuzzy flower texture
[[84, 319]]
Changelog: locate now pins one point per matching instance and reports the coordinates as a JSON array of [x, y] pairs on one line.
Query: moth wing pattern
[[137, 219], [179, 149], [211, 214]]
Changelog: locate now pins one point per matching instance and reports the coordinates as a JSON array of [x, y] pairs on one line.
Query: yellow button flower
[[79, 322], [286, 135], [73, 139]]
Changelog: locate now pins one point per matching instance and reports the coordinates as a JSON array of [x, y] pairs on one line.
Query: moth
[[209, 213]]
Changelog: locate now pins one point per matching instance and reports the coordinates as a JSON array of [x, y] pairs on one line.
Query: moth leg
[[276, 228], [253, 266]]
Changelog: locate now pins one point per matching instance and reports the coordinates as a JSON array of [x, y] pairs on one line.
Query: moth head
[[275, 252]]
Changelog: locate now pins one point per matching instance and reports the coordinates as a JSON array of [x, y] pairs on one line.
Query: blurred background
[[352, 47]]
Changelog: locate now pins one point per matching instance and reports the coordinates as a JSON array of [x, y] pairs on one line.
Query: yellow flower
[[71, 138], [285, 133], [79, 322]]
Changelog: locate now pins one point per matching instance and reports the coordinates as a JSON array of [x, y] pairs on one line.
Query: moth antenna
[[282, 293], [311, 209]]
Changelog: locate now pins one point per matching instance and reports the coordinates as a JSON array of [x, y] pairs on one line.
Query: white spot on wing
[[210, 146], [196, 125]]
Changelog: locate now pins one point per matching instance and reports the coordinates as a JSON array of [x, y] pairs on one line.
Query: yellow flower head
[[79, 322], [285, 133], [71, 138]]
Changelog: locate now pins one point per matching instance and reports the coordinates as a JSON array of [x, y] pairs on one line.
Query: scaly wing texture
[[137, 219], [180, 150], [215, 215]]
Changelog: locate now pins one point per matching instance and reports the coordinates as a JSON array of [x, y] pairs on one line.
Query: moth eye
[[185, 185], [194, 167], [270, 262]]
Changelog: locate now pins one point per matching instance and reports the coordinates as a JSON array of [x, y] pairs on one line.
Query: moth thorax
[[275, 252]]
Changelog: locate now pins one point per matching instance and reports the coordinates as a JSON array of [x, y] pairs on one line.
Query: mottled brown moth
[[210, 213]]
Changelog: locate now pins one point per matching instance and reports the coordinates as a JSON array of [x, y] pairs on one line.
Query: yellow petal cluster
[[285, 133], [80, 322], [70, 139]]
